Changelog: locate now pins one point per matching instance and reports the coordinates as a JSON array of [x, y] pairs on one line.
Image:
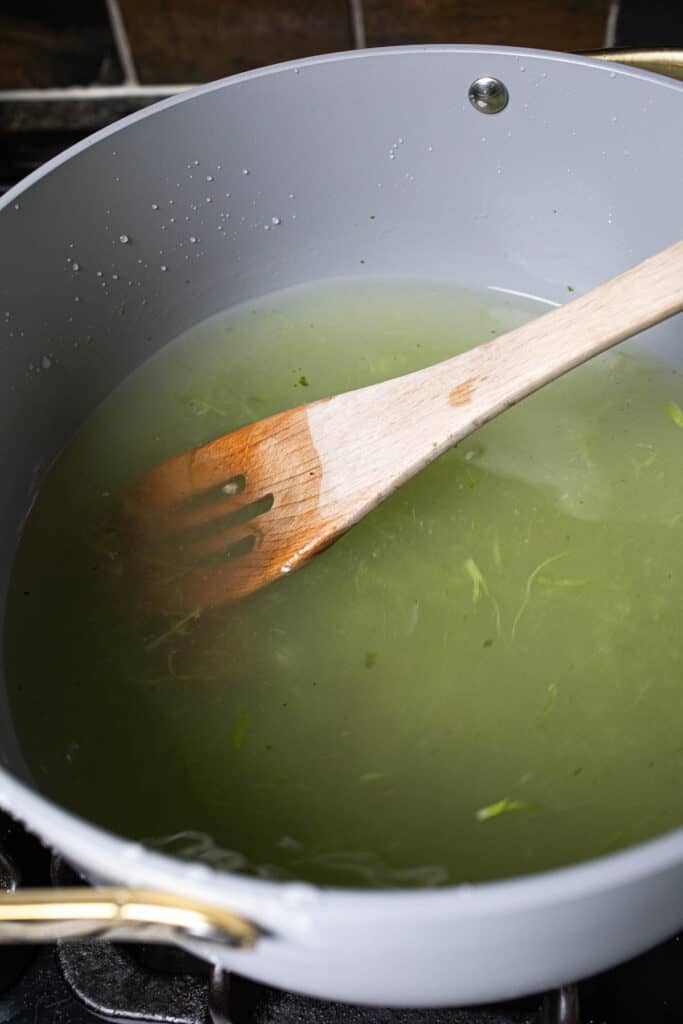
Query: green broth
[[482, 679]]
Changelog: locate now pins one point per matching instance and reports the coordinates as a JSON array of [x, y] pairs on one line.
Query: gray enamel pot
[[576, 179]]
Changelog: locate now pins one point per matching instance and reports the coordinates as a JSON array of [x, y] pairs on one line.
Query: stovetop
[[81, 982], [78, 983]]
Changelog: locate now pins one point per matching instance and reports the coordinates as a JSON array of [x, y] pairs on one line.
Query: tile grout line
[[122, 42], [611, 25], [357, 15]]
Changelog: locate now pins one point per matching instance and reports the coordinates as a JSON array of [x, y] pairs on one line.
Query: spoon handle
[[527, 358], [372, 440]]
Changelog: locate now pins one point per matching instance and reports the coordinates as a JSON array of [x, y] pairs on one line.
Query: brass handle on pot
[[119, 915], [660, 59]]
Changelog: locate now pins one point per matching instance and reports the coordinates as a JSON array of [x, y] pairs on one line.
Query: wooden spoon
[[241, 511]]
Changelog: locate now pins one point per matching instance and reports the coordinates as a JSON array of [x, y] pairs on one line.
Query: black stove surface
[[81, 982]]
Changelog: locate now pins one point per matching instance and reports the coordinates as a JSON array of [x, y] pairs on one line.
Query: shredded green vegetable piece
[[201, 406], [554, 581], [238, 731], [178, 628], [553, 694], [527, 589], [502, 807], [478, 582], [675, 412], [479, 585], [303, 381]]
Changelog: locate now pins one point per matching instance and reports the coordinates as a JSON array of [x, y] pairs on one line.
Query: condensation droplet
[[115, 277], [193, 240], [245, 170], [155, 206], [275, 221], [124, 239], [209, 177], [75, 267], [46, 362], [163, 267]]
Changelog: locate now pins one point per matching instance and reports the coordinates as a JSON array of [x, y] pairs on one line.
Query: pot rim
[[287, 906]]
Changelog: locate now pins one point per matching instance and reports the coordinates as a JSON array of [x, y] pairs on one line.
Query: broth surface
[[482, 679]]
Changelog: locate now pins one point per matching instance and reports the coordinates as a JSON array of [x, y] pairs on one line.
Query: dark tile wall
[[63, 42], [650, 23], [55, 42], [197, 40], [551, 25]]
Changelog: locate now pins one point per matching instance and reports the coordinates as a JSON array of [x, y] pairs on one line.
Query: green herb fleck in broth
[[501, 807], [555, 581], [460, 643], [479, 584], [674, 411], [551, 699]]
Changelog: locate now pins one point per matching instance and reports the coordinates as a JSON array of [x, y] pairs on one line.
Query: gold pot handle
[[118, 915], [660, 59]]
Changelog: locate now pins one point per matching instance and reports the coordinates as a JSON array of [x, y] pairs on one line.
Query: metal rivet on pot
[[488, 95]]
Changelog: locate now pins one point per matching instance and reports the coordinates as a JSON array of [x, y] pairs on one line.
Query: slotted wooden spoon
[[216, 523]]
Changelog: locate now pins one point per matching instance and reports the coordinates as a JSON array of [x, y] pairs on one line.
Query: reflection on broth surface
[[482, 679]]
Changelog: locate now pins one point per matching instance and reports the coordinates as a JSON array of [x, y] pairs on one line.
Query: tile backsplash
[[43, 43], [198, 40], [568, 25]]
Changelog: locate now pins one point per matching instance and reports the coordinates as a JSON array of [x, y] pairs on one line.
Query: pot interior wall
[[362, 164]]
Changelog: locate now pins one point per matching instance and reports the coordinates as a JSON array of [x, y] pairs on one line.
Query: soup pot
[[493, 167]]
